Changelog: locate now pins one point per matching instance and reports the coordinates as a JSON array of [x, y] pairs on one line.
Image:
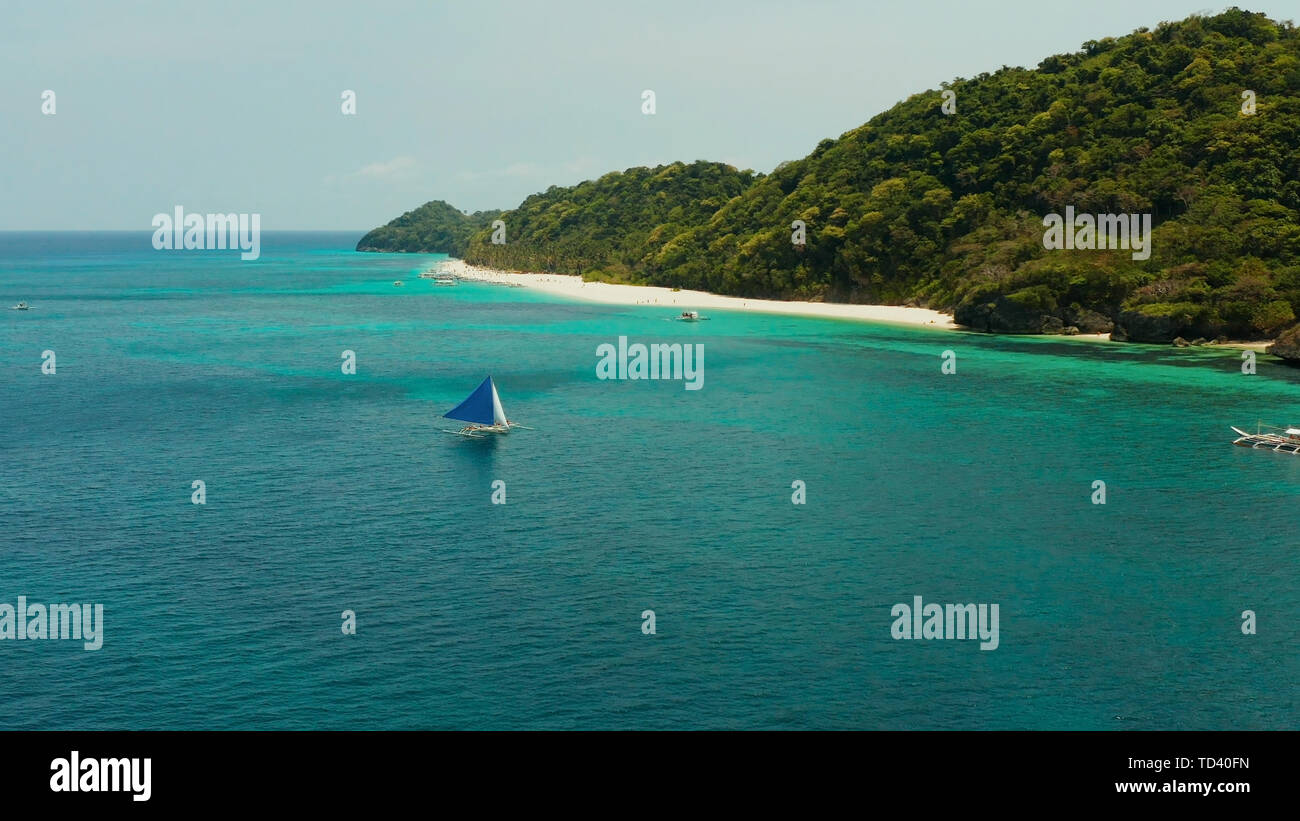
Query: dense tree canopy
[[611, 227], [946, 210], [434, 227]]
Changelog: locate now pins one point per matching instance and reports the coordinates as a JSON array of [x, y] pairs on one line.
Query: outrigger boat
[[482, 411], [1285, 441], [691, 316], [21, 306]]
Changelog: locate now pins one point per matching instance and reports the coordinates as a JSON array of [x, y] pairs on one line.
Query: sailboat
[[482, 411]]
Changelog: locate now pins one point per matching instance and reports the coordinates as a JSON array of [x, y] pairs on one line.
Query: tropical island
[[941, 201]]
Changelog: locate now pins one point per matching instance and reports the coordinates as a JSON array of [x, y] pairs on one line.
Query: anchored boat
[[482, 411], [1281, 440]]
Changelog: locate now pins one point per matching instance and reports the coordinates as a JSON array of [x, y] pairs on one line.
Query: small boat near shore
[[21, 306], [691, 316], [1279, 440]]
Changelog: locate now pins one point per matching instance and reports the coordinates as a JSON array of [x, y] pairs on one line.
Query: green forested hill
[[917, 206], [434, 227], [611, 227]]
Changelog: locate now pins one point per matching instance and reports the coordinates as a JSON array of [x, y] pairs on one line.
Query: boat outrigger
[[482, 411], [1280, 440]]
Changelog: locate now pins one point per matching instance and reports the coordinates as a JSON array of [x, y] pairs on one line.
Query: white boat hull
[[1267, 441]]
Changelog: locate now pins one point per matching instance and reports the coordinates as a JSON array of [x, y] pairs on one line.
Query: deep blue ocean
[[328, 492]]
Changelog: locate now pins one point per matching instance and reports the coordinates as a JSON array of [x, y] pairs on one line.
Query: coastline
[[574, 287]]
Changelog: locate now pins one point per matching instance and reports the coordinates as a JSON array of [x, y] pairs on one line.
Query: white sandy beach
[[574, 287]]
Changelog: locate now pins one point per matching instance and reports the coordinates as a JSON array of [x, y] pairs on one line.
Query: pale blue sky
[[235, 106]]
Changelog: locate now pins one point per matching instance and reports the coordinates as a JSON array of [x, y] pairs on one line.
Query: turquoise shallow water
[[328, 492]]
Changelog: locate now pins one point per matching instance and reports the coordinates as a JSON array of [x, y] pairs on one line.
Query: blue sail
[[478, 408]]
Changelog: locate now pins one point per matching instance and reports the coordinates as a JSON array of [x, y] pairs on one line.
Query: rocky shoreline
[[1287, 346], [1005, 316]]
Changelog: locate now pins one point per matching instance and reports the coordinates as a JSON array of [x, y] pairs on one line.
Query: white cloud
[[390, 170]]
